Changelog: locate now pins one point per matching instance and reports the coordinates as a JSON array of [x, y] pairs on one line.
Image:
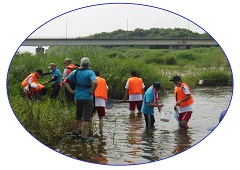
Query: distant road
[[39, 42]]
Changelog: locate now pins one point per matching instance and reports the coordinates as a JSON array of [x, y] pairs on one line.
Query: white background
[[19, 150]]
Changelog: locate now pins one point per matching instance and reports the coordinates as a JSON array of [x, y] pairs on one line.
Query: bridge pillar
[[39, 49]]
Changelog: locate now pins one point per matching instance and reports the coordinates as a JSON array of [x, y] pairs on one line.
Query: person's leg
[[85, 129], [147, 117], [55, 91], [132, 106], [101, 113], [184, 118], [139, 106], [79, 108], [92, 114], [152, 120], [87, 111], [67, 94]]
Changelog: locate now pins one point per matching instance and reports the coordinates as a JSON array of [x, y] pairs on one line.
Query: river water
[[124, 139]]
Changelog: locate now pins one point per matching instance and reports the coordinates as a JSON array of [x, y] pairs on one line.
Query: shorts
[[185, 116], [133, 104], [100, 110], [84, 110]]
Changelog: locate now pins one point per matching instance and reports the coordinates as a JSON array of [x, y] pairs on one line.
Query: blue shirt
[[148, 98], [84, 80], [57, 73]]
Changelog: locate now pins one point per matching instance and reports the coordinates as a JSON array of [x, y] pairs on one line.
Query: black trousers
[[55, 91], [69, 96], [149, 120]]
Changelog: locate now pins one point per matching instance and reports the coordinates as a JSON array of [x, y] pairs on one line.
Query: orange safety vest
[[135, 85], [178, 92], [70, 68], [101, 90], [38, 89], [25, 81]]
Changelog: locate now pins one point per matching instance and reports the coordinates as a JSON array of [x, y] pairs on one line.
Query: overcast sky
[[107, 18]]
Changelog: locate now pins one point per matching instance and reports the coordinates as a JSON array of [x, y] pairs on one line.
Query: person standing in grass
[[31, 78], [135, 89], [69, 67], [100, 97], [184, 101], [86, 83], [56, 79], [150, 101]]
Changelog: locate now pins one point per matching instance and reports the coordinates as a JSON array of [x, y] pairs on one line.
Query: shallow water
[[124, 140]]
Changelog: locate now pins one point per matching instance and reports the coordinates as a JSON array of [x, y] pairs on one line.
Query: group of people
[[89, 91], [146, 101]]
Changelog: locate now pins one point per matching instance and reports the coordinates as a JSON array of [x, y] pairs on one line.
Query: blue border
[[123, 3]]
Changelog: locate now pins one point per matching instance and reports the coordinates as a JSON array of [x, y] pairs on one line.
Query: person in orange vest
[[69, 67], [100, 97], [33, 77], [35, 91], [135, 90], [184, 101]]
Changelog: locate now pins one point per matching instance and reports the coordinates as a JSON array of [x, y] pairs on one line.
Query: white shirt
[[100, 102], [65, 73], [33, 85]]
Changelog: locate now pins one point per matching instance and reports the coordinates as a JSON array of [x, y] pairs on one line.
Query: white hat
[[85, 61]]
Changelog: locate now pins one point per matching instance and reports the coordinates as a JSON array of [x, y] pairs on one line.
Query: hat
[[68, 60], [157, 85], [52, 64], [85, 61], [175, 78]]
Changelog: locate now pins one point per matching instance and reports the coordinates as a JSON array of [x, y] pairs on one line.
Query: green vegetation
[[150, 33], [50, 120]]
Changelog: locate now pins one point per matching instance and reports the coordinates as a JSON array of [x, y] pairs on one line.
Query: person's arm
[[125, 95], [53, 79], [66, 84], [30, 79], [94, 86], [188, 95], [143, 91], [150, 103], [126, 92], [155, 105], [43, 74]]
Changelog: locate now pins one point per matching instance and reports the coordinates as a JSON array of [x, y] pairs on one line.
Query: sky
[[107, 18], [20, 150]]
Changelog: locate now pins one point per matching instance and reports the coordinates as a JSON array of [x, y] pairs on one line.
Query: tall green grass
[[49, 120]]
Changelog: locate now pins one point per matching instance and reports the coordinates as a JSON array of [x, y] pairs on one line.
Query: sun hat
[[85, 61], [68, 60], [52, 64]]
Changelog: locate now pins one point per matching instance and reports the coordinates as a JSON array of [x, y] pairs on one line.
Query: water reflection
[[182, 140], [125, 140], [151, 146]]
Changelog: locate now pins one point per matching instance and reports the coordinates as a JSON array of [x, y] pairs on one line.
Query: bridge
[[175, 43]]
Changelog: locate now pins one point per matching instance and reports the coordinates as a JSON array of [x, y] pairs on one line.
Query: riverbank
[[115, 64]]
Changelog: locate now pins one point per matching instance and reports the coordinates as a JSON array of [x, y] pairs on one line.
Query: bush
[[215, 78]]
